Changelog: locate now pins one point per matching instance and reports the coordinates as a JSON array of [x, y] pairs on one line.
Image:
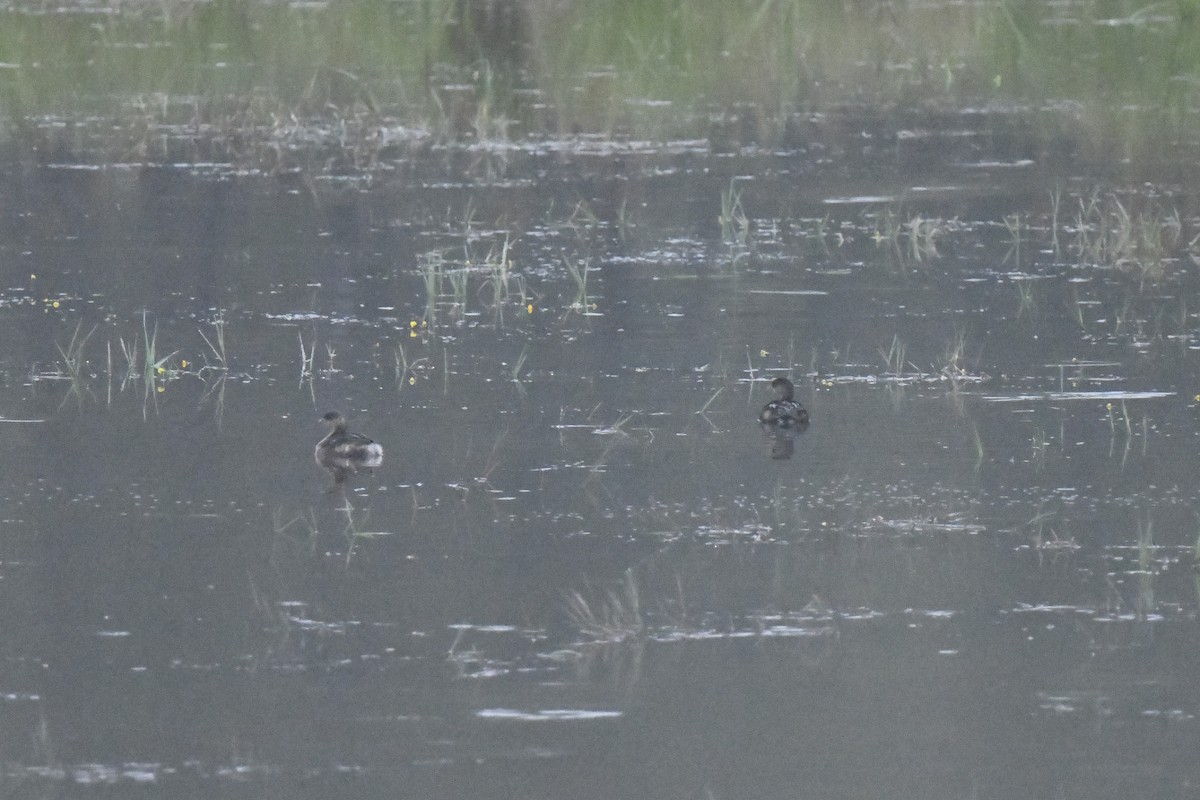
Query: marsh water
[[583, 568]]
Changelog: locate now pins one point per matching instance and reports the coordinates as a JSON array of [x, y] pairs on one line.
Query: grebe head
[[334, 420], [783, 389]]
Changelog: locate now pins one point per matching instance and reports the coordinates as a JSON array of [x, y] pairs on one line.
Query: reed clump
[[1139, 239], [611, 616]]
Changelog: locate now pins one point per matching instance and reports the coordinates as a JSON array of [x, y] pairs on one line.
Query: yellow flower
[[183, 363], [162, 389], [763, 354], [54, 304], [162, 370], [412, 323], [529, 308]]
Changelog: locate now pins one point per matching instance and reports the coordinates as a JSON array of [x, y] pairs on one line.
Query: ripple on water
[[547, 714]]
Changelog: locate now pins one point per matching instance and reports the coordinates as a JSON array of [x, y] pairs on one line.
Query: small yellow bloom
[[412, 323], [33, 276], [1108, 406], [161, 371], [54, 304], [412, 334], [412, 380], [183, 363], [763, 354], [162, 389], [529, 308]]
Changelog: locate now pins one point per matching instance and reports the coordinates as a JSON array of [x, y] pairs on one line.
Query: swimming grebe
[[783, 411], [342, 445]]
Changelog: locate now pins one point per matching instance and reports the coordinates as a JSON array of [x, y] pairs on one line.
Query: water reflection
[[782, 440]]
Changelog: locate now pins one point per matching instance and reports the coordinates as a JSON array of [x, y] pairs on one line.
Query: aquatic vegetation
[[704, 408], [1054, 543], [625, 220], [216, 345], [489, 126], [923, 234], [825, 233], [519, 365], [155, 368], [74, 362], [407, 372], [952, 360], [611, 616], [735, 226], [143, 365], [307, 357], [1140, 243], [352, 533], [305, 522], [1013, 224], [1055, 207], [1128, 426], [458, 279], [583, 222], [73, 357], [330, 355], [894, 357], [447, 282], [501, 280], [430, 269], [1076, 308], [1025, 296], [357, 86], [911, 240], [582, 303]]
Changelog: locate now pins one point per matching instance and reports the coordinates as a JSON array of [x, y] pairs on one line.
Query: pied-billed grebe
[[342, 445], [783, 411]]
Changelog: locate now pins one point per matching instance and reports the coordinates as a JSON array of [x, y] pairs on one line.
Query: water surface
[[583, 569]]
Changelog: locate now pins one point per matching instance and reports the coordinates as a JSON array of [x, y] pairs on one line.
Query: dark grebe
[[783, 410]]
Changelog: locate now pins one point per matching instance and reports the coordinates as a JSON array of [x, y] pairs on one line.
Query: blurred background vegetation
[[365, 82]]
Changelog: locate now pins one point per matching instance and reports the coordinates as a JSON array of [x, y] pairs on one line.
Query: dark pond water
[[583, 568]]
